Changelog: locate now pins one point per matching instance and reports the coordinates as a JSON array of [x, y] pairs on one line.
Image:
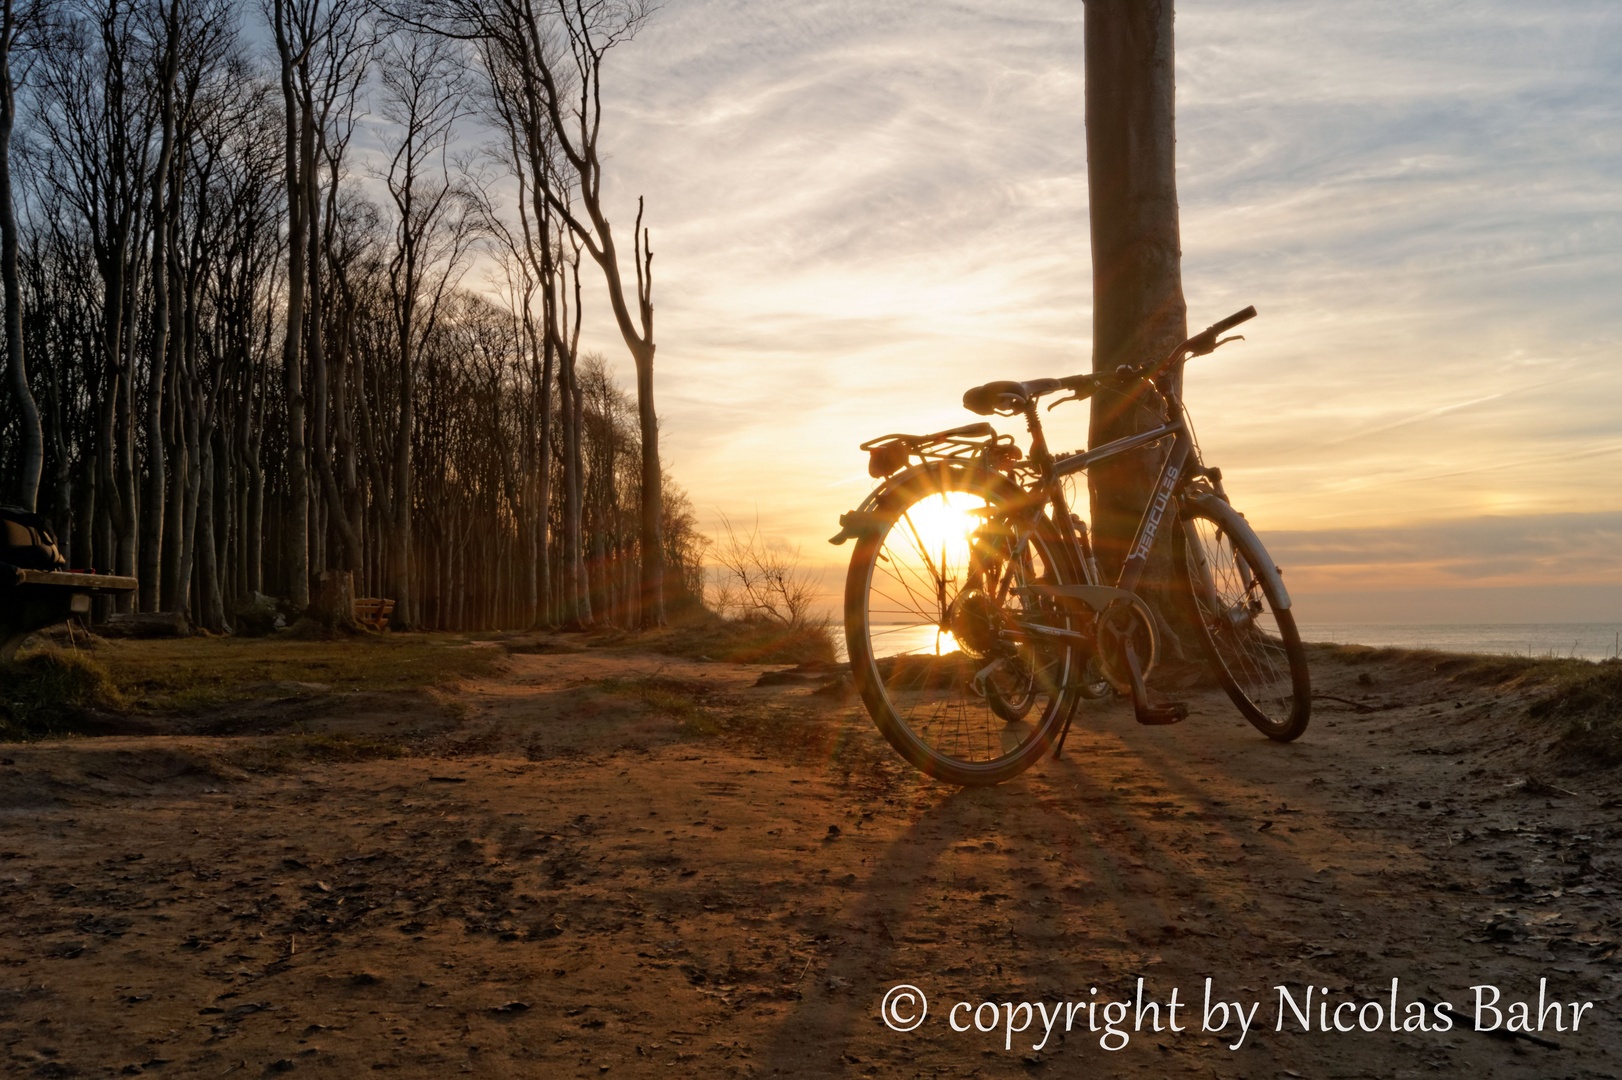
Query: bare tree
[[433, 230], [151, 541], [93, 119], [184, 219], [319, 43], [554, 51], [15, 25], [520, 269]]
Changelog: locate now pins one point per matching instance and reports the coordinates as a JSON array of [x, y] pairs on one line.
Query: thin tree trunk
[[299, 128], [26, 490], [159, 358], [210, 604]]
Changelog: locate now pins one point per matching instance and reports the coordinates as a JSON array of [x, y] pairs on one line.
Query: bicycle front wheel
[[1247, 630], [951, 641]]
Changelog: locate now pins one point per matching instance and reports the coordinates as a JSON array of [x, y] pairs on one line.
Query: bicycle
[[975, 617]]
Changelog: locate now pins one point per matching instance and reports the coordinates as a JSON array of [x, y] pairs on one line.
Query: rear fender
[[869, 516]]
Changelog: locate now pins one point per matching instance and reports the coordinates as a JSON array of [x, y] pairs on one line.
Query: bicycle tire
[[925, 700], [1247, 631]]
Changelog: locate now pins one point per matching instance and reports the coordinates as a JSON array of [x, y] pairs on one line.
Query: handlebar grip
[[1232, 321]]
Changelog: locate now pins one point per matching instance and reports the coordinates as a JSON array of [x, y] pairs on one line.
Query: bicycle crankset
[[1121, 617]]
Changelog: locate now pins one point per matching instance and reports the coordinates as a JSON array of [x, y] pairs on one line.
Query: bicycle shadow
[[1106, 884]]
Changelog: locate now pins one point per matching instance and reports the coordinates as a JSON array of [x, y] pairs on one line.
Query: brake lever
[[1061, 401], [1217, 344]]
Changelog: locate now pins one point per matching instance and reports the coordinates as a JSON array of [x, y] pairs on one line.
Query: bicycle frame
[[1170, 486], [1173, 474]]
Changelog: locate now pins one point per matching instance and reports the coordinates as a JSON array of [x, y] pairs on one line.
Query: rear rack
[[889, 454]]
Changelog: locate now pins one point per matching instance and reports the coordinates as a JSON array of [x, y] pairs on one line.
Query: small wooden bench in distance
[[373, 611]]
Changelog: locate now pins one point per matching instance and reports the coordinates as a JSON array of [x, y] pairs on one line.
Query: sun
[[939, 529], [932, 550]]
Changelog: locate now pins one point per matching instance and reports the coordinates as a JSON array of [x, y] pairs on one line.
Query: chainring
[[1123, 621]]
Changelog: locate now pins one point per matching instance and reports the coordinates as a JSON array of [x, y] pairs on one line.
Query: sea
[[1583, 641]]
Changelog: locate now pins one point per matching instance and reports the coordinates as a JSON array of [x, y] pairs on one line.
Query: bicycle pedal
[[1146, 711], [1171, 712]]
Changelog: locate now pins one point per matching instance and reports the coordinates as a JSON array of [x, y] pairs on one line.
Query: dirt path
[[580, 879]]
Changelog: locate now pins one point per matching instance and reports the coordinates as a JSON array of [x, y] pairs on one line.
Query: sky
[[861, 209]]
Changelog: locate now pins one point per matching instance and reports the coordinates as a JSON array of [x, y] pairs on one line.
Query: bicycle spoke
[[1240, 622], [939, 698]]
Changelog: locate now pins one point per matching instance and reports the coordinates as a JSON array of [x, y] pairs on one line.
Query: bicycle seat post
[[1040, 457], [1050, 489]]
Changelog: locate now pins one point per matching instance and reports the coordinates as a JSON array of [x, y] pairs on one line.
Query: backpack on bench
[[27, 541]]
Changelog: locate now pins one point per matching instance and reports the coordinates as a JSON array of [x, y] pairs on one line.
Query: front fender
[[1234, 522]]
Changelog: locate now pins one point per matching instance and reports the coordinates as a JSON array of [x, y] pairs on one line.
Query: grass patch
[[1581, 698], [741, 641], [194, 674], [324, 747], [669, 697], [45, 694], [1480, 669], [1590, 704]]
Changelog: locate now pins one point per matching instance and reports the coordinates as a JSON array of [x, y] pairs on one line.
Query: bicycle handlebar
[[1200, 344], [1011, 397]]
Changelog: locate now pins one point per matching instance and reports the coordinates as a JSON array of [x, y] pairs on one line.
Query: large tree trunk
[[190, 492], [576, 602], [126, 523], [1138, 309], [334, 603]]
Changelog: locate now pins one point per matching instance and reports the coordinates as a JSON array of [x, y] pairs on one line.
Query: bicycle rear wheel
[[1250, 640], [939, 626]]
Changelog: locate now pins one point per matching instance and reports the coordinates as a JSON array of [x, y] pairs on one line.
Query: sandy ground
[[560, 882]]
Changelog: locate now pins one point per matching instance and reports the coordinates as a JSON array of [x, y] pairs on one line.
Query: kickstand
[[1058, 745], [1169, 712]]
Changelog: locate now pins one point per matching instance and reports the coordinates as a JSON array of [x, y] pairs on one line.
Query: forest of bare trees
[[297, 287]]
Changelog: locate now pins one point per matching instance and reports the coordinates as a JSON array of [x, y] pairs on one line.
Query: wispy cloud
[[860, 210], [1530, 549]]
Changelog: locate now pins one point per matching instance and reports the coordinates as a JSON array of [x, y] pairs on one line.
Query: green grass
[[44, 694], [193, 674]]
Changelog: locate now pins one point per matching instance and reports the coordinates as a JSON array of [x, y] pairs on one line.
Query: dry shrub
[[761, 581], [1590, 703]]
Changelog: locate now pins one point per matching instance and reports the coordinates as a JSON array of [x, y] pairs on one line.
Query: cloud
[[860, 210], [1534, 549]]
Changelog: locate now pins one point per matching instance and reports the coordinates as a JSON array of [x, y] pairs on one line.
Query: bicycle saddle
[[1008, 397]]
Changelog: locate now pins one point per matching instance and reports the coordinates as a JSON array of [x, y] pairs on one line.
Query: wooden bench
[[34, 599], [373, 611]]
